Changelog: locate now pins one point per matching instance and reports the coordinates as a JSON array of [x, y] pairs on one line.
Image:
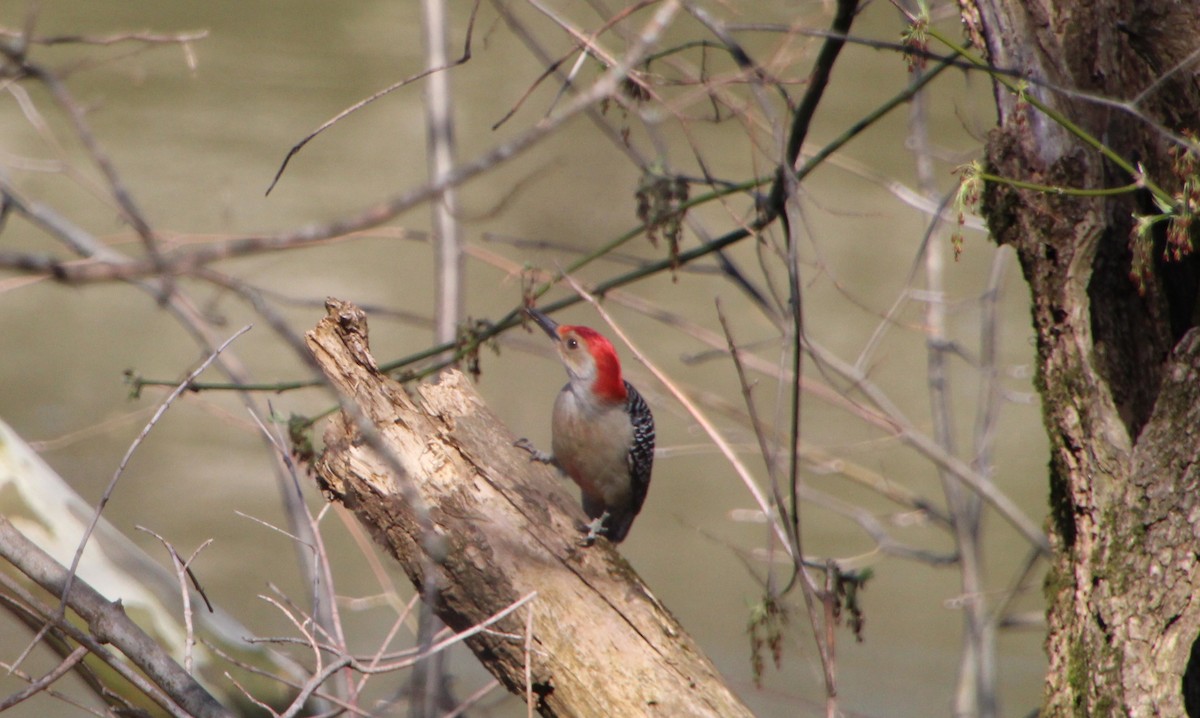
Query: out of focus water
[[197, 146]]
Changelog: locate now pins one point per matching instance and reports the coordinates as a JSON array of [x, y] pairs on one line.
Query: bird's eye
[[572, 343]]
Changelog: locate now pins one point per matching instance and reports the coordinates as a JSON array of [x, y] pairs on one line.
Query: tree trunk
[[490, 527], [1118, 370]]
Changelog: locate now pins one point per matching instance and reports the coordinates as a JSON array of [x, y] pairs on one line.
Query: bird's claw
[[534, 453], [594, 529]]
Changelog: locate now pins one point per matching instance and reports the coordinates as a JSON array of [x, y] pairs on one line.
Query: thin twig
[[182, 571], [765, 449], [321, 675], [320, 572], [449, 292], [132, 214], [470, 701], [465, 57], [929, 448], [45, 681], [149, 38]]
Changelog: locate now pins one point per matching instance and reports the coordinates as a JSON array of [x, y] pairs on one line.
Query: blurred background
[[198, 130]]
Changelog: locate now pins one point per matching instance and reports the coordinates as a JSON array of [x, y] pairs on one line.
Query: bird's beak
[[547, 324]]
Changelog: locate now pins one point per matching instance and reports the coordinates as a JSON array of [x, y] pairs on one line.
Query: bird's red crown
[[609, 384]]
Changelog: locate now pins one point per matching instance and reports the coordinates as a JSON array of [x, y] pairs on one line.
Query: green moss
[[1055, 583], [1077, 672], [1123, 536]]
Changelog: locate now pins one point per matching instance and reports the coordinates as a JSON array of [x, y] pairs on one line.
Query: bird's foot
[[593, 529], [534, 454]]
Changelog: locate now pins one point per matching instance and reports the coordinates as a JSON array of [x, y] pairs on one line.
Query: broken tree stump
[[475, 515]]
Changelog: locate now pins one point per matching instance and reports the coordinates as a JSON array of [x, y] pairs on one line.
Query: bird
[[602, 431]]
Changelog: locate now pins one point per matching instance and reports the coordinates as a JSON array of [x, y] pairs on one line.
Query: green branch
[[1059, 190], [1018, 87]]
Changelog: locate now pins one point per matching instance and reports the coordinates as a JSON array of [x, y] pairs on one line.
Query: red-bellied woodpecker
[[602, 432]]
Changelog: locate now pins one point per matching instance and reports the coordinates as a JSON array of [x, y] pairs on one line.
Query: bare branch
[[108, 623]]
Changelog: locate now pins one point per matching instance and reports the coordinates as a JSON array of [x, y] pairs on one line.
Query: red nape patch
[[609, 384]]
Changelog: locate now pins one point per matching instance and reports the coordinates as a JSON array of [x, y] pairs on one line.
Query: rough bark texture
[[1117, 370], [501, 528]]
